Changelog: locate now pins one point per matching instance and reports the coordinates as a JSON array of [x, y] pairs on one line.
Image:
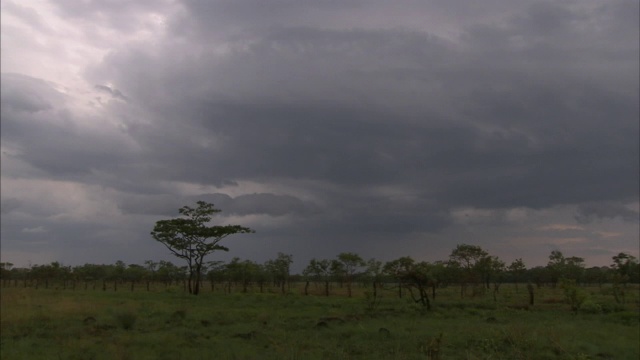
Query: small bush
[[126, 319], [590, 307], [573, 294], [612, 307]]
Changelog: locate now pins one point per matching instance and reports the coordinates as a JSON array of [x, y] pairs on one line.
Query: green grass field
[[166, 323]]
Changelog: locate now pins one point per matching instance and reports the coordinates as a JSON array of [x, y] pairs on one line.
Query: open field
[[167, 323]]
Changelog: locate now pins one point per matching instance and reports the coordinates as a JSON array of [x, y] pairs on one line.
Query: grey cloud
[[599, 251], [249, 204], [34, 230], [529, 130], [380, 215], [115, 93], [79, 242], [165, 205], [534, 104], [26, 14], [168, 204], [268, 204], [15, 208], [211, 17], [44, 133], [118, 15], [232, 18], [8, 205], [589, 212], [22, 93]]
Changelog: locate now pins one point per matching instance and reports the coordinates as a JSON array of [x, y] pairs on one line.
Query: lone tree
[[471, 260], [350, 263], [191, 239]]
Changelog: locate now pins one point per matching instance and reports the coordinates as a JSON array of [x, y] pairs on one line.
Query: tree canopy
[[191, 239]]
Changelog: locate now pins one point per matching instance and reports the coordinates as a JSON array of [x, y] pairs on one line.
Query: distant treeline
[[468, 266]]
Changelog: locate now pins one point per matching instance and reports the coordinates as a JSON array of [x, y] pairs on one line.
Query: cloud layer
[[327, 127]]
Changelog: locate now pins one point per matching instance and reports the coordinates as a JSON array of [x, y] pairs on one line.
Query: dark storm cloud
[[385, 125], [503, 118], [574, 157], [509, 116]]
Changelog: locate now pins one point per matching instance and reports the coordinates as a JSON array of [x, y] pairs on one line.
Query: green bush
[[609, 307], [573, 294], [590, 307]]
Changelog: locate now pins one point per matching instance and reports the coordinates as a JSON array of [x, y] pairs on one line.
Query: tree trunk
[[326, 288], [530, 290], [425, 298], [196, 289]]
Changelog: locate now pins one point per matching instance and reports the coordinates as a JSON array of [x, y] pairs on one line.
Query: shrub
[[609, 307], [590, 307], [573, 295], [126, 319]]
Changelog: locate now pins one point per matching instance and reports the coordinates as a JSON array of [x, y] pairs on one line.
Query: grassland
[[166, 323]]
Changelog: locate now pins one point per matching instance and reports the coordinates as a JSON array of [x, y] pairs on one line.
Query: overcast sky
[[382, 128]]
